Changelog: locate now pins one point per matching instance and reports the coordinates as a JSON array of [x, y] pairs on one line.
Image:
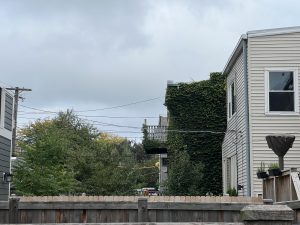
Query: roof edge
[[274, 31], [234, 55]]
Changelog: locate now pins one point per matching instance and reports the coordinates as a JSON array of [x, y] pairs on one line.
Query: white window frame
[[230, 100], [296, 94]]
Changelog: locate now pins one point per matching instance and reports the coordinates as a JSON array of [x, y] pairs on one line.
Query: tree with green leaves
[[66, 155], [42, 168]]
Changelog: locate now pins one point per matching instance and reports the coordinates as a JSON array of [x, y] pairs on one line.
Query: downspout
[[248, 169]]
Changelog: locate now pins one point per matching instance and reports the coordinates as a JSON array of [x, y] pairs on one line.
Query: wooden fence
[[117, 209], [188, 199]]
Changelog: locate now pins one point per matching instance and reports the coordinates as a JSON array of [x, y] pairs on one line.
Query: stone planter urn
[[280, 144]]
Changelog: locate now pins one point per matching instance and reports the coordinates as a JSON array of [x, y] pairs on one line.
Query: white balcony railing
[[158, 133]]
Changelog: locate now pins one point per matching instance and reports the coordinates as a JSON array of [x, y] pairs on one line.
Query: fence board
[[110, 209]]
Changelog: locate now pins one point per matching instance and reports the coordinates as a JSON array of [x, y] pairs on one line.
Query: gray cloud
[[94, 54]]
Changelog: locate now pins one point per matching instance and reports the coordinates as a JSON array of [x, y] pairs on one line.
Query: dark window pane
[[281, 101], [281, 81], [233, 99], [164, 161]]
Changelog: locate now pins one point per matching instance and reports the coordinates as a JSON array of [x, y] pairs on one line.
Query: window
[[228, 173], [281, 92], [164, 161], [231, 100], [231, 172]]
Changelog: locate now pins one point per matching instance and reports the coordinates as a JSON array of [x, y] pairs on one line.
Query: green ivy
[[198, 106]]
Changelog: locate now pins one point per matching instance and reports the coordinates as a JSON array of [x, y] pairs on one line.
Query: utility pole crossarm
[[17, 88]]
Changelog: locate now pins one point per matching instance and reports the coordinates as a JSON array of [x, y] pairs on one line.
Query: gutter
[[245, 63]]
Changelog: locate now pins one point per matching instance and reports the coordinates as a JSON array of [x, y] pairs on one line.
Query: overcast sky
[[88, 54]]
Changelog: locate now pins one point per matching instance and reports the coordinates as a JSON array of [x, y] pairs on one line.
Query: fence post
[[142, 210], [267, 214], [14, 210]]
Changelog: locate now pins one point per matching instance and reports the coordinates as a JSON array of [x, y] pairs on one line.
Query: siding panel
[[8, 112], [234, 143], [264, 52], [5, 147]]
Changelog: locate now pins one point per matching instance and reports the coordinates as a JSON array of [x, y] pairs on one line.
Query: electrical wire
[[130, 127], [114, 107], [41, 110], [119, 106], [92, 110], [121, 117]]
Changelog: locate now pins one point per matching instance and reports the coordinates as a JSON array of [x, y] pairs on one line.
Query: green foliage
[[232, 192], [273, 166], [185, 176], [41, 170], [66, 155], [262, 168], [198, 106]]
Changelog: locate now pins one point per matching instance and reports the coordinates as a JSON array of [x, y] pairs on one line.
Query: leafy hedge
[[199, 106]]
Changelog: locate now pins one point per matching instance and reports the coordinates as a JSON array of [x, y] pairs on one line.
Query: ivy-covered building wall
[[197, 124]]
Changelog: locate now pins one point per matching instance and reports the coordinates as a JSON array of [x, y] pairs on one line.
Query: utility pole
[[16, 101]]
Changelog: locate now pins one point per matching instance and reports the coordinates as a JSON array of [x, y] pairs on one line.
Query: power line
[[121, 131], [132, 127], [111, 124], [92, 110], [97, 116], [121, 117], [120, 106], [41, 110], [196, 131]]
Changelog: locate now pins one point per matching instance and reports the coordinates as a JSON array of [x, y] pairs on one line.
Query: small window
[[228, 173], [164, 161], [231, 100], [281, 91]]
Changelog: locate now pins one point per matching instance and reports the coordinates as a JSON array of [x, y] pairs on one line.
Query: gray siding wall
[[274, 51], [8, 112], [5, 147], [5, 140], [234, 142]]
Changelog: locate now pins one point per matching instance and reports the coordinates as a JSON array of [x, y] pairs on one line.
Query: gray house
[[262, 98], [6, 125]]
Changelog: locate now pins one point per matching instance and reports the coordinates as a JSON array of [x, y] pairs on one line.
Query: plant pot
[[275, 172], [262, 175]]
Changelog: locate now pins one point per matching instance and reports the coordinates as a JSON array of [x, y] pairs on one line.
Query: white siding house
[[262, 98], [6, 126]]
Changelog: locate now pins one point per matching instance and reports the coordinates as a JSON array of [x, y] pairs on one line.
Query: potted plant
[[274, 170], [232, 192], [261, 172]]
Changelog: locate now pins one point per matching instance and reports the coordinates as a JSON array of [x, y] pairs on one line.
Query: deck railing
[[158, 133]]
